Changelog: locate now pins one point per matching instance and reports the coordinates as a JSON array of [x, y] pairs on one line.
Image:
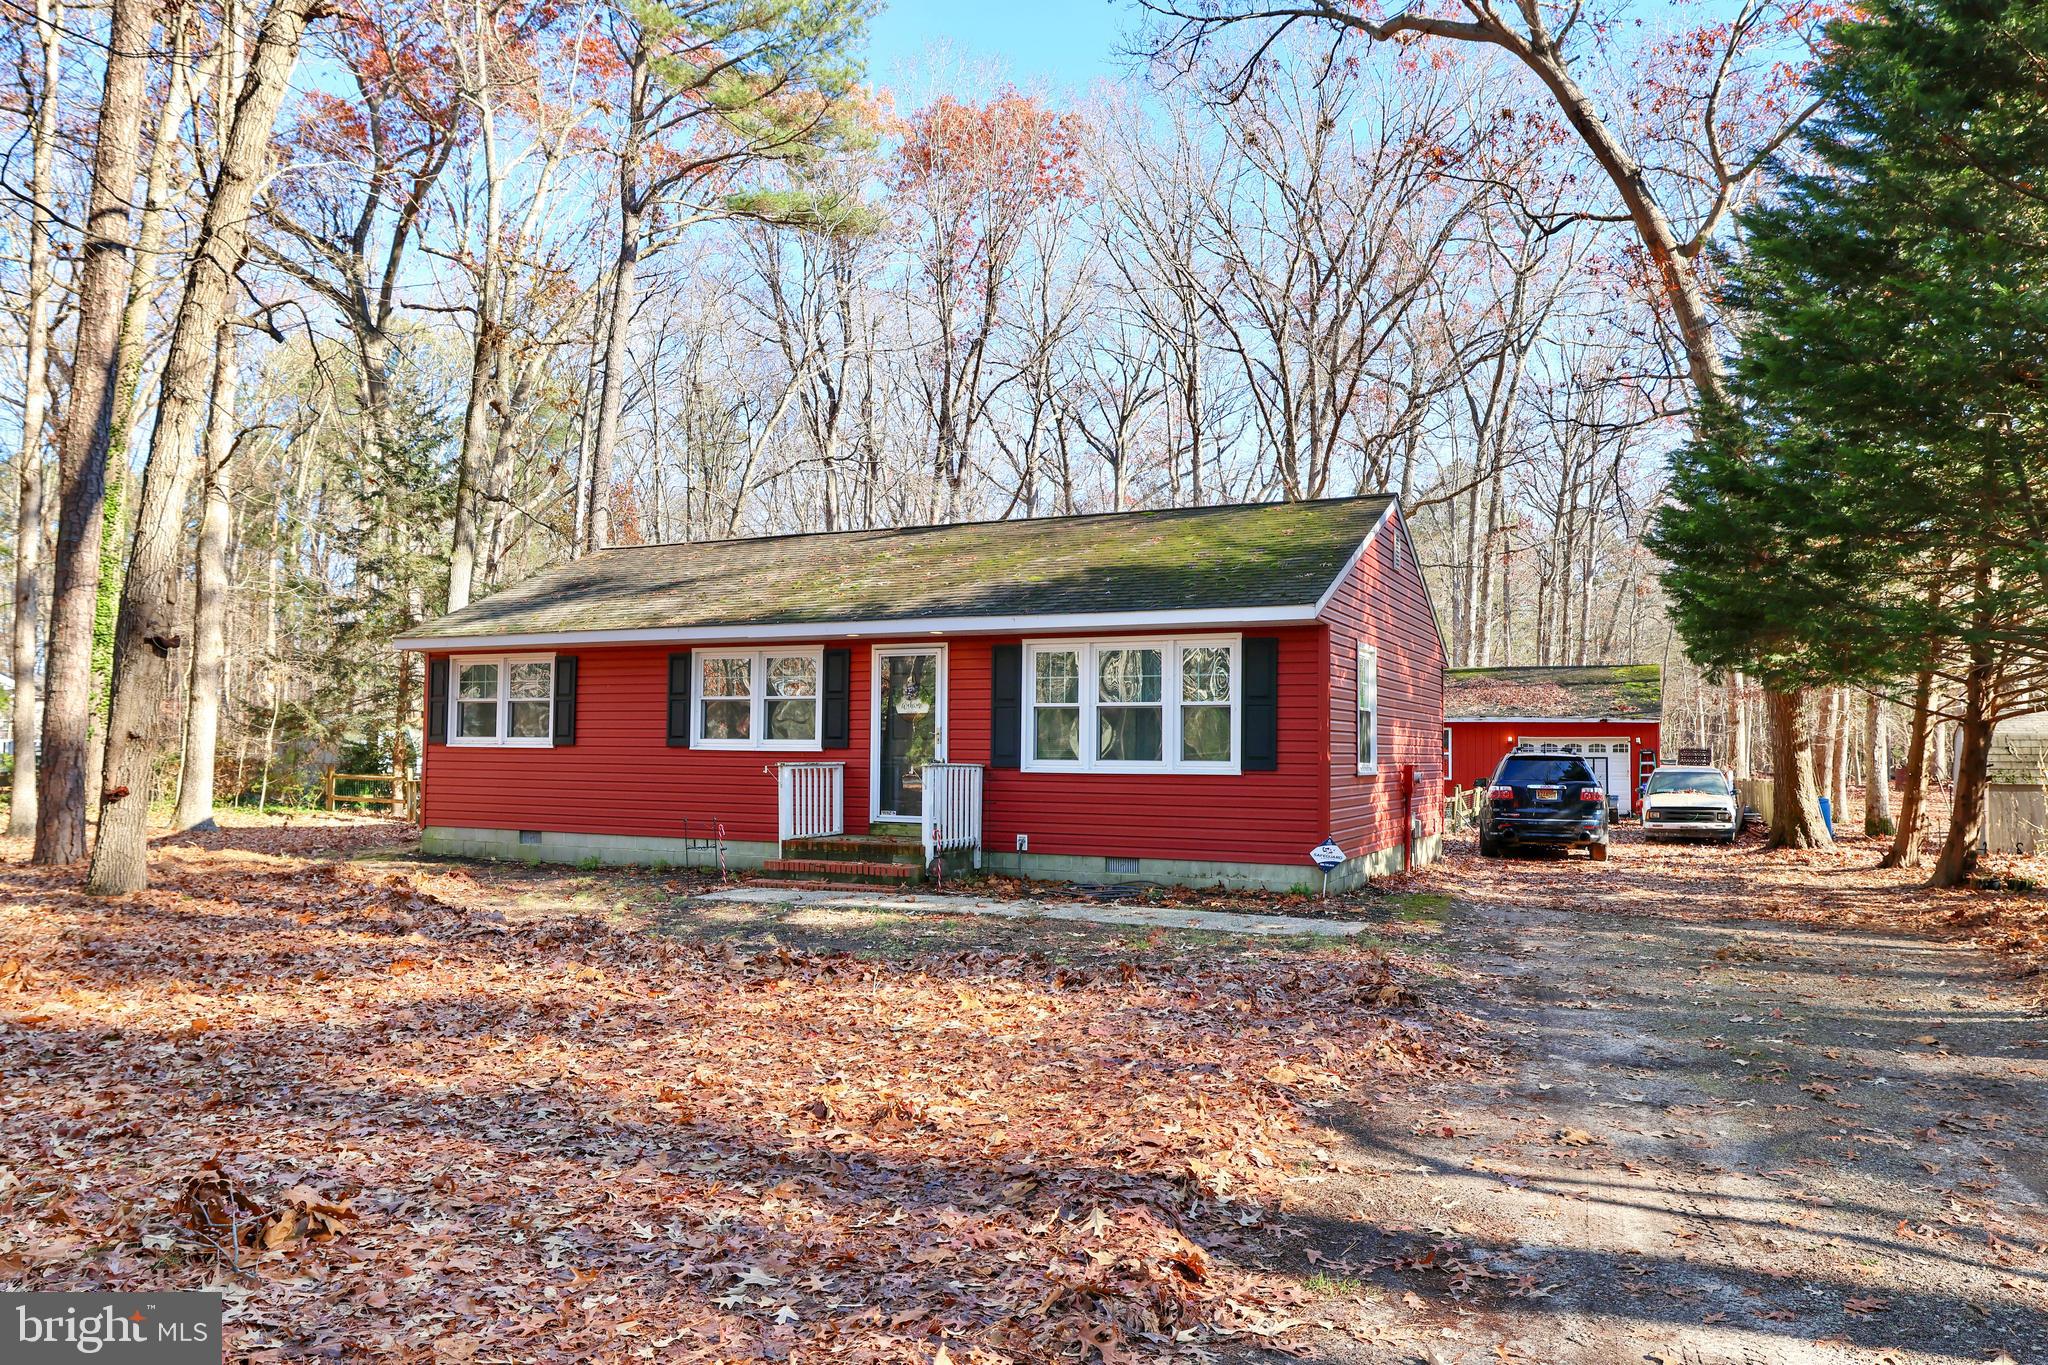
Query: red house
[[1607, 713], [1192, 696]]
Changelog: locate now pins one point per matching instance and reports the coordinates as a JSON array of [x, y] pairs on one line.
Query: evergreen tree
[[1879, 496]]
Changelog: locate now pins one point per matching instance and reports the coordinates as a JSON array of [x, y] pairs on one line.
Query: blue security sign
[[1327, 854]]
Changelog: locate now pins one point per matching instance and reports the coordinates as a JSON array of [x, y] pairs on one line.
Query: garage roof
[[1566, 692]]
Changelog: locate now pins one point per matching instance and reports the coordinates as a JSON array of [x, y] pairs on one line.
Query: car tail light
[[1592, 794], [1500, 794]]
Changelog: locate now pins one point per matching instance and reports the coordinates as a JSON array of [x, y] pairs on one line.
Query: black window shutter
[[565, 699], [437, 701], [1260, 713], [1006, 706], [838, 698], [679, 701]]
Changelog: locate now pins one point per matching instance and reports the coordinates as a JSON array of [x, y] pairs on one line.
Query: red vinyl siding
[[1384, 603], [1272, 817], [1477, 746], [620, 777]]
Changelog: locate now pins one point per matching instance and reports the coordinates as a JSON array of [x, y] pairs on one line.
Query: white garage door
[[1608, 758]]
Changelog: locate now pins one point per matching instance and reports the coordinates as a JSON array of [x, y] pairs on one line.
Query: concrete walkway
[[1084, 912]]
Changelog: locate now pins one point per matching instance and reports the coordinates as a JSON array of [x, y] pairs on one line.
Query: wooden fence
[[400, 800], [2016, 820], [1756, 794], [1461, 809]]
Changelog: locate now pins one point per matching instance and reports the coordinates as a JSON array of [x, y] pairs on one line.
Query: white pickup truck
[[1691, 803]]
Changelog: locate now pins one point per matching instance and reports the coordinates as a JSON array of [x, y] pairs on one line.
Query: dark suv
[[1551, 799]]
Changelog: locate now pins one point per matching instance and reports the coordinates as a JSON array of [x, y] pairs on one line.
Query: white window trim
[[757, 698], [457, 662], [1366, 653], [1170, 647]]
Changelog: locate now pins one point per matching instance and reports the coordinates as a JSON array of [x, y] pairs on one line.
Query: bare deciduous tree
[[146, 637]]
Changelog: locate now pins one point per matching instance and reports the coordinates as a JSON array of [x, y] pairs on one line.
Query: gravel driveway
[[1712, 1139]]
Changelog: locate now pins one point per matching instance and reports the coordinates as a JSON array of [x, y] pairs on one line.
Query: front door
[[909, 733]]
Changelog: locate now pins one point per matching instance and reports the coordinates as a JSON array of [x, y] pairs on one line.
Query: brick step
[[838, 869], [865, 848]]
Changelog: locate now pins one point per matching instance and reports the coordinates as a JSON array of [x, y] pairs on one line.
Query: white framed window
[[1208, 704], [1148, 705], [1053, 729], [506, 699], [1368, 709], [756, 699]]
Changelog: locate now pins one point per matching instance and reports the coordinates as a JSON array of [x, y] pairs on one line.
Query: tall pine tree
[[1877, 501]]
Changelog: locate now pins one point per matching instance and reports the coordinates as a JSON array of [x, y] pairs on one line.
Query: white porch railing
[[952, 809], [810, 800]]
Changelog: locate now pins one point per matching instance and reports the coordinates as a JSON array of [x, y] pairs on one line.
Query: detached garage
[[1608, 714]]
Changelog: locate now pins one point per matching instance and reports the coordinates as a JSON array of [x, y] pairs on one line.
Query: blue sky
[[1061, 43]]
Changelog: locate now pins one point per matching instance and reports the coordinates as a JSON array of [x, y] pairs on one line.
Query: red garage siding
[[1384, 602]]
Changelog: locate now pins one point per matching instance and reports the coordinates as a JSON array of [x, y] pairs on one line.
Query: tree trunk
[[1795, 804], [102, 290], [483, 367], [1905, 849], [1960, 851], [151, 233], [1938, 764], [210, 598], [28, 541], [106, 609], [1877, 763], [475, 436], [1738, 728], [28, 559], [625, 269], [145, 640], [1838, 763], [1823, 752]]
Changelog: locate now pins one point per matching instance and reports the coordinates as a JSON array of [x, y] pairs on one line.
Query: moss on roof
[[1633, 691], [1210, 558]]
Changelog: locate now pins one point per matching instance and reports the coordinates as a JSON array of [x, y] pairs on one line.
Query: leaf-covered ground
[[397, 1123], [1752, 1108], [1838, 887]]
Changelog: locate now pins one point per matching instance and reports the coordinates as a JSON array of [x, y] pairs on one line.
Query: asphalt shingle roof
[[1623, 691], [1209, 558]]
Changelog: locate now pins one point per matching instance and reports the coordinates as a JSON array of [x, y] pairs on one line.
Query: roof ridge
[[1000, 521], [1545, 668]]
